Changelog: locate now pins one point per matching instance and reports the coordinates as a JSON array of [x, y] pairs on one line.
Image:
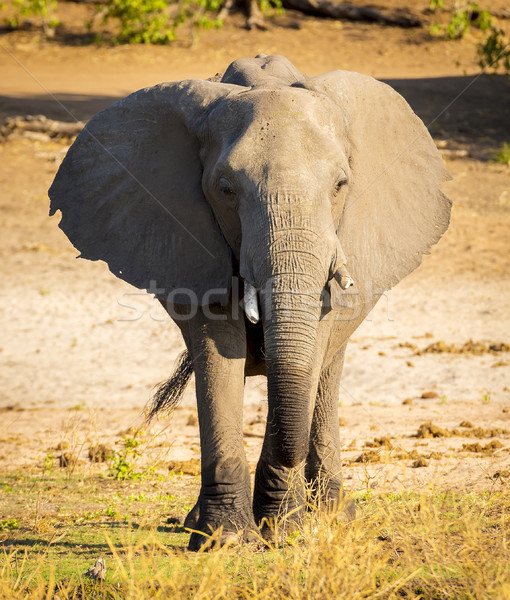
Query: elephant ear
[[130, 194], [394, 209]]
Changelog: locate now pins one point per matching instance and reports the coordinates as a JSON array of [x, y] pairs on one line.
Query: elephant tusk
[[343, 278], [250, 303]]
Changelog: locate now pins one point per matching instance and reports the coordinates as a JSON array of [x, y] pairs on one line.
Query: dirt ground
[[81, 351]]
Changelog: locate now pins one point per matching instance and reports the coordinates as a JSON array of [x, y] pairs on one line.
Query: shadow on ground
[[470, 113], [62, 107]]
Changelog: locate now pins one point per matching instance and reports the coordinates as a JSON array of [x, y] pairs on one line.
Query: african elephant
[[310, 196]]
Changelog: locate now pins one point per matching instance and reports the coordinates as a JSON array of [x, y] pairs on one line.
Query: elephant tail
[[169, 392]]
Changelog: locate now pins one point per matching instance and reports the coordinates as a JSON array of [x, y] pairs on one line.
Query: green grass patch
[[413, 545], [503, 154]]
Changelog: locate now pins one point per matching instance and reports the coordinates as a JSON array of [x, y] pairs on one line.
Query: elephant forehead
[[281, 111]]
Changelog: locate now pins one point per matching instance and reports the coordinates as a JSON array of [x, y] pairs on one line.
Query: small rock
[[100, 453], [405, 455], [429, 395], [407, 401], [98, 571], [378, 442], [435, 456], [192, 420], [480, 432], [487, 449], [500, 363], [429, 430], [408, 345], [187, 467], [369, 457], [14, 407], [499, 347], [501, 474], [476, 447], [66, 459]]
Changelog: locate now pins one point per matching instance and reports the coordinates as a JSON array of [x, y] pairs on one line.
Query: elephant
[[267, 211]]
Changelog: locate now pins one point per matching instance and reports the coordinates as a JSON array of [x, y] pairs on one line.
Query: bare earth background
[[80, 351]]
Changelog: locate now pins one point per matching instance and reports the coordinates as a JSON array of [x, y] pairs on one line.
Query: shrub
[[125, 458], [42, 9], [156, 21], [493, 50], [503, 154]]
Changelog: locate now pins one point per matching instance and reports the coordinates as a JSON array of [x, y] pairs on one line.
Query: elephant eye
[[225, 186], [341, 181]]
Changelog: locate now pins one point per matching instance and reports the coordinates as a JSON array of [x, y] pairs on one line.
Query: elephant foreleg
[[278, 497], [217, 346], [323, 463]]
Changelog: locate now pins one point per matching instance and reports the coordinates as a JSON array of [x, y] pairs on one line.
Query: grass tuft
[[429, 545], [503, 154]]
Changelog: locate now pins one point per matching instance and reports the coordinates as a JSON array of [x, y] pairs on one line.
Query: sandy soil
[[81, 351]]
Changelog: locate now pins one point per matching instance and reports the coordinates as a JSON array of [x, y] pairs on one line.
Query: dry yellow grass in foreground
[[434, 545]]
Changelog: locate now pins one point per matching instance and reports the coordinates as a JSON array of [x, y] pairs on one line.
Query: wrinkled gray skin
[[279, 179]]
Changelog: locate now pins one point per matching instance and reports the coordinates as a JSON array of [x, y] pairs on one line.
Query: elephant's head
[[288, 180]]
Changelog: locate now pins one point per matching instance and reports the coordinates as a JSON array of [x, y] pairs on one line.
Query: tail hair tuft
[[169, 392]]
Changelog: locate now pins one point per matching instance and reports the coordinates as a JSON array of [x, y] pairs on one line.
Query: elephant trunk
[[290, 314], [289, 257], [290, 348]]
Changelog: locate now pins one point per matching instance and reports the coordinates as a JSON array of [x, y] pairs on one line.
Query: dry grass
[[56, 522], [433, 545]]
